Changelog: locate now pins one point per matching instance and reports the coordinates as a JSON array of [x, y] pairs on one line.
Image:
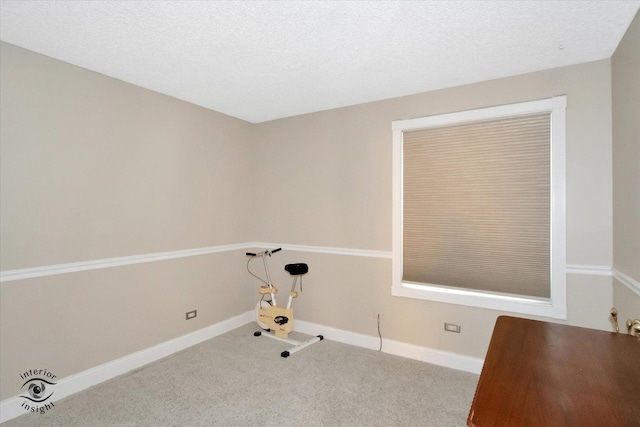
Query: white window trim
[[556, 305]]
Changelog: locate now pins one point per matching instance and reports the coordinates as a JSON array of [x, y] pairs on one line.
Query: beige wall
[[625, 65], [91, 168], [327, 181], [327, 175], [111, 169]]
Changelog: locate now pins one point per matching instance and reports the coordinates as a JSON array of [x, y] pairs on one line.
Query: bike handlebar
[[265, 252]]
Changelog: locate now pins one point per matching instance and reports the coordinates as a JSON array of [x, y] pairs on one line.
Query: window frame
[[556, 305]]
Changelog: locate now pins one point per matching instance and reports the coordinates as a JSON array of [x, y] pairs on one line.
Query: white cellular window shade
[[476, 205], [479, 215]]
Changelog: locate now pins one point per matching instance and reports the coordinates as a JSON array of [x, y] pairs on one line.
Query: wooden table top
[[547, 374]]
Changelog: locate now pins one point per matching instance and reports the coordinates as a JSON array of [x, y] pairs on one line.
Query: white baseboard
[[10, 408], [443, 358]]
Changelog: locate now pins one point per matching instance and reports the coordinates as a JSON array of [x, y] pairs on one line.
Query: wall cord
[[379, 335]]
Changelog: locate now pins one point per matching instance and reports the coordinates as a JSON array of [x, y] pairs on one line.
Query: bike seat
[[296, 269]]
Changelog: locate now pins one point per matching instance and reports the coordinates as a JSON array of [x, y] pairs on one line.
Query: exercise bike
[[272, 317]]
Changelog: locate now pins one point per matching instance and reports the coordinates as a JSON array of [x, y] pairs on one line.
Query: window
[[479, 208]]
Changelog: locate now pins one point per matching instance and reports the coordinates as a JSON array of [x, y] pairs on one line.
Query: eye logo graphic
[[37, 389]]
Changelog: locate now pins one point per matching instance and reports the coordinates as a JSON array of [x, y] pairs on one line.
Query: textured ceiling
[[263, 60]]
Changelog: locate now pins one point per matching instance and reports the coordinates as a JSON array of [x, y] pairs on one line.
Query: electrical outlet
[[192, 314], [451, 327]]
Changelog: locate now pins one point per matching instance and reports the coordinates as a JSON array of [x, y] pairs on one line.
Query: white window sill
[[501, 302]]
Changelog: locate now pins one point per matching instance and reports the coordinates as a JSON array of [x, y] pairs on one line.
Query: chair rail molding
[[626, 280], [73, 267]]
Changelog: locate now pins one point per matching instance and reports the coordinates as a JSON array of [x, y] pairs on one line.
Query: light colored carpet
[[237, 379]]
